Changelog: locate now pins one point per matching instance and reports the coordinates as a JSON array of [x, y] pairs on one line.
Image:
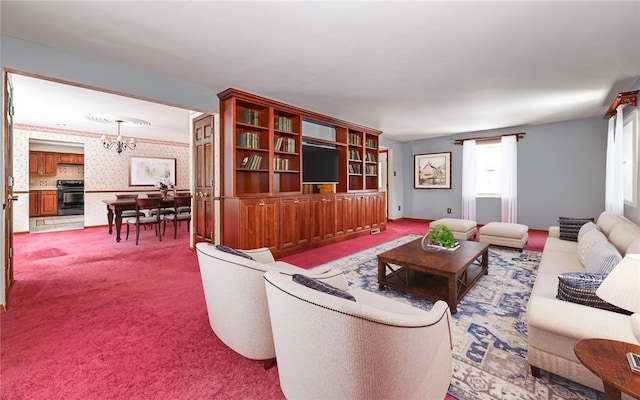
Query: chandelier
[[120, 142]]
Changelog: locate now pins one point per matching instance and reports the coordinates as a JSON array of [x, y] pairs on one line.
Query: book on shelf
[[371, 170], [371, 143], [251, 117], [355, 169], [283, 124], [285, 144], [354, 155], [280, 164], [371, 157], [249, 139], [252, 161], [355, 139]]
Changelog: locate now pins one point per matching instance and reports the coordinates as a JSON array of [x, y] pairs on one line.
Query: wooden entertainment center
[[264, 200]]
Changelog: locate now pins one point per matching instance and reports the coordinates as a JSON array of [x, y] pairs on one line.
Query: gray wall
[[560, 173]]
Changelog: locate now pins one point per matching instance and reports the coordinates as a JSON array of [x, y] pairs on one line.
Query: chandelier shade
[[120, 143]]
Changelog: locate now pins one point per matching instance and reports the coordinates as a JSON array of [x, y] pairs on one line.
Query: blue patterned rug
[[489, 329]]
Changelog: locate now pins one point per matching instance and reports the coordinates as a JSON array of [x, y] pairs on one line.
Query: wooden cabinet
[[250, 223], [43, 163], [294, 222], [322, 217], [345, 224], [43, 203], [70, 158]]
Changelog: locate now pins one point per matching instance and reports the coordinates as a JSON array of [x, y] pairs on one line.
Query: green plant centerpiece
[[439, 236]]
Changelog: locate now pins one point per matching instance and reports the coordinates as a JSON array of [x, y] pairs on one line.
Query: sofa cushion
[[569, 227], [227, 249], [602, 257], [321, 286], [587, 241], [586, 228], [581, 288]]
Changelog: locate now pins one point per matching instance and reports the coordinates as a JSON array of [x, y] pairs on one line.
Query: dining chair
[[128, 213], [179, 203], [146, 203]]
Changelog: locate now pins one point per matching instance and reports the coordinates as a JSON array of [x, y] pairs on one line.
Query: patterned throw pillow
[[322, 287], [589, 226], [581, 288], [602, 257], [235, 252], [569, 227], [587, 241]]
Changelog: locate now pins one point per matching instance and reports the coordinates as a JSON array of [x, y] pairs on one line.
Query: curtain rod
[[624, 98], [519, 135]]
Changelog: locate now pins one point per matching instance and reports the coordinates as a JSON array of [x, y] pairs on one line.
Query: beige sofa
[[555, 326]]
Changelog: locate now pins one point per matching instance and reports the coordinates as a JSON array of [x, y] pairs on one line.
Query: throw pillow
[[569, 227], [587, 241], [589, 226], [322, 287], [581, 288], [235, 252], [602, 257]]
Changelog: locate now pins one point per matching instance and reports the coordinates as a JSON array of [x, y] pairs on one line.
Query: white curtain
[[509, 203], [469, 180], [609, 169], [618, 167]]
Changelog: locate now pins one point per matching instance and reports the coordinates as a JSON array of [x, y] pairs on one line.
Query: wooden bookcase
[[265, 204]]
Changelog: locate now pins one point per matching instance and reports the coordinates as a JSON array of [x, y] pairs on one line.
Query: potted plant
[[439, 236]]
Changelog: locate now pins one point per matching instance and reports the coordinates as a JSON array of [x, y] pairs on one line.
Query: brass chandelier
[[120, 143]]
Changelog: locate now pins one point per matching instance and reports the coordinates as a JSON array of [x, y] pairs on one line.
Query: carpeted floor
[[490, 331]]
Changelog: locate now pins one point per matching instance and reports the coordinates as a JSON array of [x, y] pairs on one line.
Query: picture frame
[[147, 171], [432, 171]]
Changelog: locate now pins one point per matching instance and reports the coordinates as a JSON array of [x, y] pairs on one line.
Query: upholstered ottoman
[[505, 234], [462, 229]]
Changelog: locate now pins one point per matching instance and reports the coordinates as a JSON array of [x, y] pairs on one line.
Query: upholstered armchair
[[371, 348], [236, 300]]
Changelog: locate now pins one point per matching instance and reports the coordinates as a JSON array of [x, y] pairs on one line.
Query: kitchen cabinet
[[43, 203], [43, 163], [70, 158]]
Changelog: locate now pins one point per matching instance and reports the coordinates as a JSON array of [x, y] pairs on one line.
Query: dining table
[[115, 207]]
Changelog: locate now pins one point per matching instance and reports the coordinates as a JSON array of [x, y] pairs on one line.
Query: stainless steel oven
[[70, 197]]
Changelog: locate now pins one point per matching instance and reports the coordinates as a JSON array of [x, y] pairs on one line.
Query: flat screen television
[[319, 164]]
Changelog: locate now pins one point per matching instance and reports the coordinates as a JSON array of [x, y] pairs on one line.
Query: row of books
[[285, 144], [283, 124], [252, 161], [371, 157], [371, 169], [354, 138], [280, 164], [354, 155], [371, 143], [251, 117], [355, 169], [249, 139]]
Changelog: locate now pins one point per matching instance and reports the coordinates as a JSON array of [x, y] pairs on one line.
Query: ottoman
[[505, 234], [462, 229]]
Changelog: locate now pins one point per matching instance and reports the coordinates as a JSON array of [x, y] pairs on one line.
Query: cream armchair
[[374, 348], [236, 301]]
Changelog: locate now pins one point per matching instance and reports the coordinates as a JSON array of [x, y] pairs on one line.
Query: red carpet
[[89, 318]]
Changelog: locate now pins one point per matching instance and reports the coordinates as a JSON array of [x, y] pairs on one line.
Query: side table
[[607, 359]]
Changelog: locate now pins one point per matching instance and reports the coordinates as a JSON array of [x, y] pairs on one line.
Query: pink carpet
[[89, 318]]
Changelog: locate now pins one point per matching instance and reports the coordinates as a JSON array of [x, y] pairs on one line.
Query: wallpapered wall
[[105, 171]]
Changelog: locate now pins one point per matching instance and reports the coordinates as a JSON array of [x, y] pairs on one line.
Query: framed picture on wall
[[147, 171], [432, 171]]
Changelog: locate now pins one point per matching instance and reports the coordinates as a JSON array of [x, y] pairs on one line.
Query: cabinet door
[[49, 163], [322, 217], [79, 159], [34, 208], [359, 211], [259, 223], [328, 217], [48, 202], [344, 214], [34, 162], [65, 158], [294, 221]]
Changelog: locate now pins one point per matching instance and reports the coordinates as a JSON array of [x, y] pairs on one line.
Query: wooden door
[[203, 159], [7, 202]]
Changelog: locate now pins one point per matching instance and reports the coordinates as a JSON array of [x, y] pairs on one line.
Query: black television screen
[[319, 164]]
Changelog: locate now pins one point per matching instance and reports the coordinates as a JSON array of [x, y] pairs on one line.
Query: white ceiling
[[411, 69]]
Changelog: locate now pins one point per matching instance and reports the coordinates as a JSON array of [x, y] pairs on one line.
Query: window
[[630, 159], [488, 169]]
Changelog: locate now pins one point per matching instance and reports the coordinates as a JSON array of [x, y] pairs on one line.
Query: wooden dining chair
[[145, 203], [128, 213], [179, 203]]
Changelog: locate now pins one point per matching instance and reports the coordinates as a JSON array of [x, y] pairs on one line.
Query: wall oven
[[70, 197]]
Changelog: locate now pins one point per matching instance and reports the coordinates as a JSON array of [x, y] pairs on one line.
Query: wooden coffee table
[[441, 275], [608, 360]]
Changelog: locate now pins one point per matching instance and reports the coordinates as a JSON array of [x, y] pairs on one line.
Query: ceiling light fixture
[[120, 143]]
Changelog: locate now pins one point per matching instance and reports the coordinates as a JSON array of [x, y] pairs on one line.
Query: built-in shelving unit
[[262, 177]]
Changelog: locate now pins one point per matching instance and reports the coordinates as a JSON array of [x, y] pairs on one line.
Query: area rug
[[489, 329]]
